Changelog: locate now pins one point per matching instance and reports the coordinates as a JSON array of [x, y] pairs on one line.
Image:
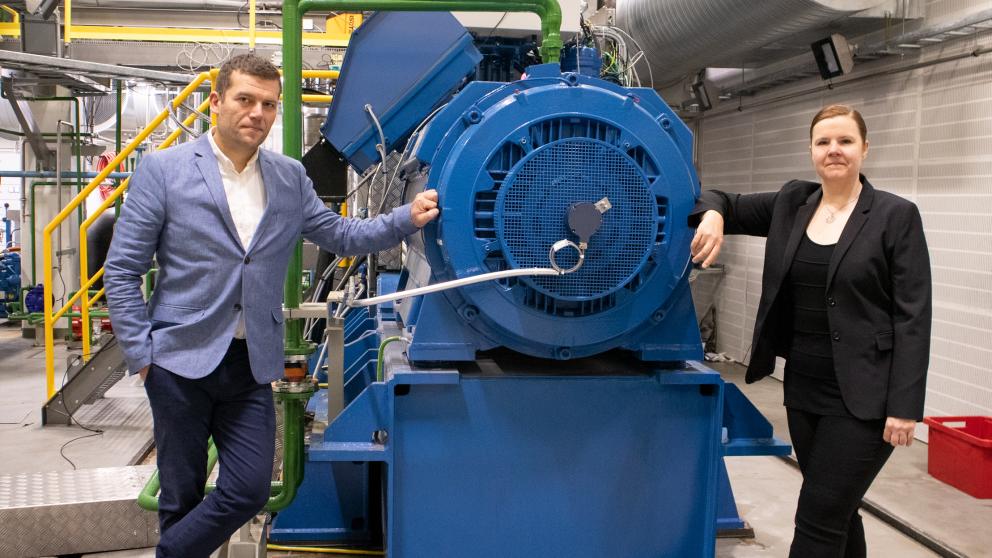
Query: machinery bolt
[[563, 353], [380, 437], [657, 316], [470, 313], [666, 123]]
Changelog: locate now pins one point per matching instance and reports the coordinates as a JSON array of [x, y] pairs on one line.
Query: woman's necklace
[[832, 213]]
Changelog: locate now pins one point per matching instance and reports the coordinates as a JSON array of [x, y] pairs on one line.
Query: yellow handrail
[[80, 198], [71, 31], [13, 13], [84, 306], [85, 280]]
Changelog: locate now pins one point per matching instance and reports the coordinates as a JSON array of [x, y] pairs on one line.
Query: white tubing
[[523, 272]]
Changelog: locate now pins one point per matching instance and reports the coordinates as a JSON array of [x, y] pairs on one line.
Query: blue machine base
[[496, 463]]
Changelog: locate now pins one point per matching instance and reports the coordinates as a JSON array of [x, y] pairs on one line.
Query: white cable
[[320, 358], [523, 272]]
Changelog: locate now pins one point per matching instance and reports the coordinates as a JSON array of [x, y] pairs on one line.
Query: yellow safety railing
[[10, 28], [82, 295], [337, 32]]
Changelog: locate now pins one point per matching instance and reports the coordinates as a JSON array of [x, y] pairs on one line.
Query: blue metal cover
[[403, 64]]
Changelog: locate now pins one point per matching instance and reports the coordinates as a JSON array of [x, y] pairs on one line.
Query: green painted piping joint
[[148, 498], [293, 398]]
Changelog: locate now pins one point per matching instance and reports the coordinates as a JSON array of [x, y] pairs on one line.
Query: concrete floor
[[765, 487]]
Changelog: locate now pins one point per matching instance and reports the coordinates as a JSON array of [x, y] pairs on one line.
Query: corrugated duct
[[682, 36]]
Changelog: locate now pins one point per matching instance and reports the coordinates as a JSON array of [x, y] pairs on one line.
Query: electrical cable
[[320, 356], [73, 419], [498, 23], [362, 337], [506, 273], [636, 44], [381, 147]]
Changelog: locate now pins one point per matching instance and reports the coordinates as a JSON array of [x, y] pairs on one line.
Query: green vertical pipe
[[292, 145], [292, 455]]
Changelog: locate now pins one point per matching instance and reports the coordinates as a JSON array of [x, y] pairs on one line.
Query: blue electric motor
[[556, 159], [514, 164]]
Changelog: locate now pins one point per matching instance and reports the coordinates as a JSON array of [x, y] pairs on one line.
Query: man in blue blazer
[[221, 217]]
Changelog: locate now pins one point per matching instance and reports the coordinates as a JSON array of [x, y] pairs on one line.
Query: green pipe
[[292, 454], [380, 361], [148, 497], [148, 282], [548, 10], [292, 40], [281, 493]]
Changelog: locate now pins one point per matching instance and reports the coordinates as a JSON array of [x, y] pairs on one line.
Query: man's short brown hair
[[249, 64]]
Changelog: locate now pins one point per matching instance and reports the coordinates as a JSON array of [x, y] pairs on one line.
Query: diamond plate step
[[72, 512]]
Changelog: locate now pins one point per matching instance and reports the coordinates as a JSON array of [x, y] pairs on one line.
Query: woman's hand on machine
[[706, 244]]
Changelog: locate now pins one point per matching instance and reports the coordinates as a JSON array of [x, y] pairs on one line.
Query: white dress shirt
[[246, 200]]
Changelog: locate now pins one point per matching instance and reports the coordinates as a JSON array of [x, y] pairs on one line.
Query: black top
[[810, 379]]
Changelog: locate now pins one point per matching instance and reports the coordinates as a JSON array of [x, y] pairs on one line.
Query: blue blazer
[[177, 211]]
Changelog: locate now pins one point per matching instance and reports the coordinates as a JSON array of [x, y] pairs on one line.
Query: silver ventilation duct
[[683, 36]]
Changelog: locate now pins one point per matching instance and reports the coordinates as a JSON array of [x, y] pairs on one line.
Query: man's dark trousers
[[238, 412]]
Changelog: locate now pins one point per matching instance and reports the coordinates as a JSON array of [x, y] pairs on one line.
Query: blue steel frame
[[522, 460]]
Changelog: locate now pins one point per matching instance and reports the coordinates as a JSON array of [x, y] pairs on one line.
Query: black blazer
[[878, 291]]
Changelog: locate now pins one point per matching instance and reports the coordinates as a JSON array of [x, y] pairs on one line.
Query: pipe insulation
[[683, 36]]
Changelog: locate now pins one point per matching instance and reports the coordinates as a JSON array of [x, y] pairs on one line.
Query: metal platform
[[71, 512], [87, 382], [55, 67]]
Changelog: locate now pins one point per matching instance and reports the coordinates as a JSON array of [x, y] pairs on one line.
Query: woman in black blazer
[[846, 300]]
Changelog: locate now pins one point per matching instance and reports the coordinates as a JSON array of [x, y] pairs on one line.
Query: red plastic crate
[[960, 453]]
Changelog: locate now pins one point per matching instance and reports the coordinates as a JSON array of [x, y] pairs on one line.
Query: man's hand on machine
[[424, 208]]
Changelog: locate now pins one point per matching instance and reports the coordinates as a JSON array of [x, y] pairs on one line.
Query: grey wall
[[930, 135]]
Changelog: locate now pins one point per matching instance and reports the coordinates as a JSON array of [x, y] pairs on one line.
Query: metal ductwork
[[683, 36]]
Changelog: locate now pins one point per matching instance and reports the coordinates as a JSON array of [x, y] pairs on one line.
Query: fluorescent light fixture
[[833, 56]]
